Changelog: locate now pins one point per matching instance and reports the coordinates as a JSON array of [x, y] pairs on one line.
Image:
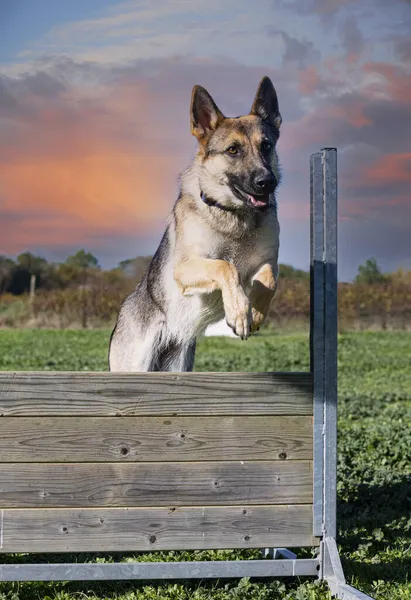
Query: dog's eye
[[232, 150], [266, 146]]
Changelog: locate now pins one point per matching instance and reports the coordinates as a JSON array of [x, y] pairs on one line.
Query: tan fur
[[202, 275], [262, 293]]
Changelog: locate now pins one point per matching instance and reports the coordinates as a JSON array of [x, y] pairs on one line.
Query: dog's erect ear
[[265, 103], [205, 115]]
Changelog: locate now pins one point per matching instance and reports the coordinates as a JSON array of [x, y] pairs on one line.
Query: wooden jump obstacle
[[106, 462]]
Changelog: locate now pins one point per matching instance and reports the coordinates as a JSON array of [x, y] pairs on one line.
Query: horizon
[[149, 256], [94, 118]]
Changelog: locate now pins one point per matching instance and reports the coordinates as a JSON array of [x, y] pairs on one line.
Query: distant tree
[[401, 276], [82, 268], [114, 277], [127, 266], [39, 272], [135, 267], [28, 272], [82, 260], [289, 272], [370, 273], [7, 266], [31, 263]]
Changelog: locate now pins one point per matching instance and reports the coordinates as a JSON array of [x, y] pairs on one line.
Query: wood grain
[[155, 394], [87, 485], [143, 529], [146, 439]]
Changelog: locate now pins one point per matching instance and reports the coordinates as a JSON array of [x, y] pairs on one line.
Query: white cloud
[[151, 29]]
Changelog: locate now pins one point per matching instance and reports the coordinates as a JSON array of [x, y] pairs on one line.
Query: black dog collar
[[216, 204]]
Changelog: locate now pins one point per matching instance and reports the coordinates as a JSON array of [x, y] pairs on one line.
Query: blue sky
[[23, 23], [94, 99]]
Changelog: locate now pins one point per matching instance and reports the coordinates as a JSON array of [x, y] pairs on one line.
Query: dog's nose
[[266, 182]]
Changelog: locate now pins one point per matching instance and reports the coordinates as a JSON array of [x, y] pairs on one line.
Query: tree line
[[78, 292], [79, 269], [28, 271]]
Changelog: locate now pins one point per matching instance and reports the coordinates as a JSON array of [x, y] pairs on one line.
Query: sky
[[94, 117]]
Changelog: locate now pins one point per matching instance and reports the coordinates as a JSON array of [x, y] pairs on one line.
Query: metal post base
[[327, 566], [333, 573]]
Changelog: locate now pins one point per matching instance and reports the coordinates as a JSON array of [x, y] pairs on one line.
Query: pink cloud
[[308, 80], [392, 168]]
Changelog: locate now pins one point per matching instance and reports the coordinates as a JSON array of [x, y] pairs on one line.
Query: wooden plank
[[146, 439], [87, 485], [146, 529], [155, 394]]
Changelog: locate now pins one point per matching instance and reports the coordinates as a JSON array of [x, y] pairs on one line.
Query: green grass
[[373, 467]]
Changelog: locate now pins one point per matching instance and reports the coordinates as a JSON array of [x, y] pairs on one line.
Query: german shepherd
[[219, 254]]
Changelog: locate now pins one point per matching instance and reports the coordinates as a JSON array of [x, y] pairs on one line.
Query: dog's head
[[237, 156]]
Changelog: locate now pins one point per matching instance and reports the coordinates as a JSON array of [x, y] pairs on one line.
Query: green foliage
[[78, 292], [73, 350], [15, 276], [290, 272], [242, 590], [82, 260], [6, 272], [135, 267], [35, 265], [370, 273], [374, 461]]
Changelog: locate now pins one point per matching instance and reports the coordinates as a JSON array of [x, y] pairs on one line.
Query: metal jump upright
[[324, 364], [112, 462]]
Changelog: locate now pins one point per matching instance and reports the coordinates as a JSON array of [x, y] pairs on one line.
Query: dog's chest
[[247, 254]]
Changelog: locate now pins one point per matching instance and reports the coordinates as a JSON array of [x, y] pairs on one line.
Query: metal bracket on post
[[279, 552]]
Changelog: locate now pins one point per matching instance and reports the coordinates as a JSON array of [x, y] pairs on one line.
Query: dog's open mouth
[[259, 202]]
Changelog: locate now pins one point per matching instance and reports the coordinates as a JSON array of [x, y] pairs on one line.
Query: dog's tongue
[[256, 202]]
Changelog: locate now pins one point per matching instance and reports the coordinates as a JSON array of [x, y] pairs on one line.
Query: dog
[[219, 253]]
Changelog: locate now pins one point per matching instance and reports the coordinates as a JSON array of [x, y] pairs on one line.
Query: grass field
[[374, 462]]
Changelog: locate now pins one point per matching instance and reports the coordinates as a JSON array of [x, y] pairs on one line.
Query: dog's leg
[[135, 342], [177, 357], [205, 275], [263, 288], [137, 353], [189, 356]]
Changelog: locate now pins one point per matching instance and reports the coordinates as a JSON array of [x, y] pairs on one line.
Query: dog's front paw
[[258, 319], [238, 315]]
